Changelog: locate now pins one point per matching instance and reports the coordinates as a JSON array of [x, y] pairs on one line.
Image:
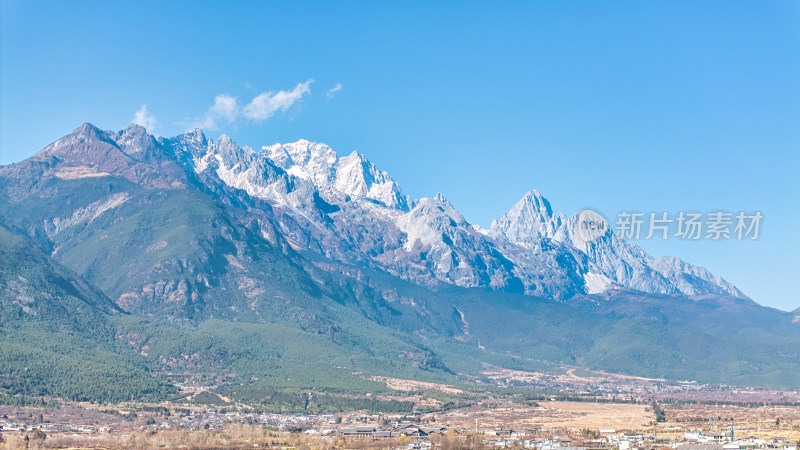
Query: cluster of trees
[[21, 400], [661, 416], [34, 371]]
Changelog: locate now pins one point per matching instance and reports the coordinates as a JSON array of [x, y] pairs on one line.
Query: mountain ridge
[[348, 209], [193, 237], [530, 224]]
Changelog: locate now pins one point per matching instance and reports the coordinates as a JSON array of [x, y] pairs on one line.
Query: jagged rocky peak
[[135, 131], [528, 221], [226, 143], [193, 144], [439, 205], [352, 175], [530, 241], [194, 136], [131, 153], [230, 152], [305, 159], [431, 221], [135, 141], [531, 223], [88, 146], [313, 165], [533, 200], [85, 130], [569, 233], [358, 176], [86, 133]]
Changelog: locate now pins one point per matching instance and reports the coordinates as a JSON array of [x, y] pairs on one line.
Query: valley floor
[[489, 423]]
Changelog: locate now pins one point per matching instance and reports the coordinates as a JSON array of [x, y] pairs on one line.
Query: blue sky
[[638, 106]]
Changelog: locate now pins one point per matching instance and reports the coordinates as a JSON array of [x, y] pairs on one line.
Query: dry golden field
[[401, 385], [566, 415]]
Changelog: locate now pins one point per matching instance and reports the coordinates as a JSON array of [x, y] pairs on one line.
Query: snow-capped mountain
[[612, 260], [352, 175], [347, 209], [177, 231], [528, 221]]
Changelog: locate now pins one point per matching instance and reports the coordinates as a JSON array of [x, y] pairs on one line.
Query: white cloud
[[332, 91], [224, 107], [144, 118], [266, 104], [261, 108]]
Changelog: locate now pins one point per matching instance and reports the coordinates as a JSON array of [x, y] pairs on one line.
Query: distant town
[[496, 421]]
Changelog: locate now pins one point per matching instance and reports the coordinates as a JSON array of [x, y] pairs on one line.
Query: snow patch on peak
[[481, 230], [596, 283], [351, 176], [304, 159]]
